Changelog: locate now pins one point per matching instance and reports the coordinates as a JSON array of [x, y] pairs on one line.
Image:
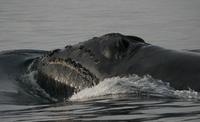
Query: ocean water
[[49, 24]]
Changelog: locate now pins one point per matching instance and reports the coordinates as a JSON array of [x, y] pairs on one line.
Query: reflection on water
[[107, 109]]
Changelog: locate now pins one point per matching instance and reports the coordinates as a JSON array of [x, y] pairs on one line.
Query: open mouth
[[61, 78]]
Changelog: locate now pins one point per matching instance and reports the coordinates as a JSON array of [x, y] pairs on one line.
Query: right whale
[[87, 63]]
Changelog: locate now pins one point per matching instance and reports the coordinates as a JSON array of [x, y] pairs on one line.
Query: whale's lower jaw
[[61, 78], [53, 87]]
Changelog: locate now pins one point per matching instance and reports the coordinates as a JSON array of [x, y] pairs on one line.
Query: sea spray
[[134, 85]]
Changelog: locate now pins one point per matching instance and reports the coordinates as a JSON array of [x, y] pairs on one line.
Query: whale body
[[63, 72]]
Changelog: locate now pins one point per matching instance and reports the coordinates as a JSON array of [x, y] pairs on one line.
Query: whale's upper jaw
[[99, 53], [109, 46]]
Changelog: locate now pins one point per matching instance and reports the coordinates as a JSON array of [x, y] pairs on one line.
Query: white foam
[[187, 94], [134, 85]]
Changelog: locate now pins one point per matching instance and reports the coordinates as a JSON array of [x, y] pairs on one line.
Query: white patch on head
[[107, 53]]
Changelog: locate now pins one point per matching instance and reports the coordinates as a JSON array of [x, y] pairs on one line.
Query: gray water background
[[50, 24]]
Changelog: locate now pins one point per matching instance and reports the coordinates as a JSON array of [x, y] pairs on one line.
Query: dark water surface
[[50, 24], [108, 109]]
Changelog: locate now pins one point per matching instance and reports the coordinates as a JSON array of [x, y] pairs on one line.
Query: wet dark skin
[[115, 54]]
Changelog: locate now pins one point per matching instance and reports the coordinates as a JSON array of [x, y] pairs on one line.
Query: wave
[[15, 85], [32, 87], [134, 85]]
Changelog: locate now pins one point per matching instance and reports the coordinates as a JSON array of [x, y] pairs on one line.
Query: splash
[[132, 85], [135, 86]]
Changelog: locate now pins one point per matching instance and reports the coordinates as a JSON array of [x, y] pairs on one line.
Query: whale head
[[85, 64]]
